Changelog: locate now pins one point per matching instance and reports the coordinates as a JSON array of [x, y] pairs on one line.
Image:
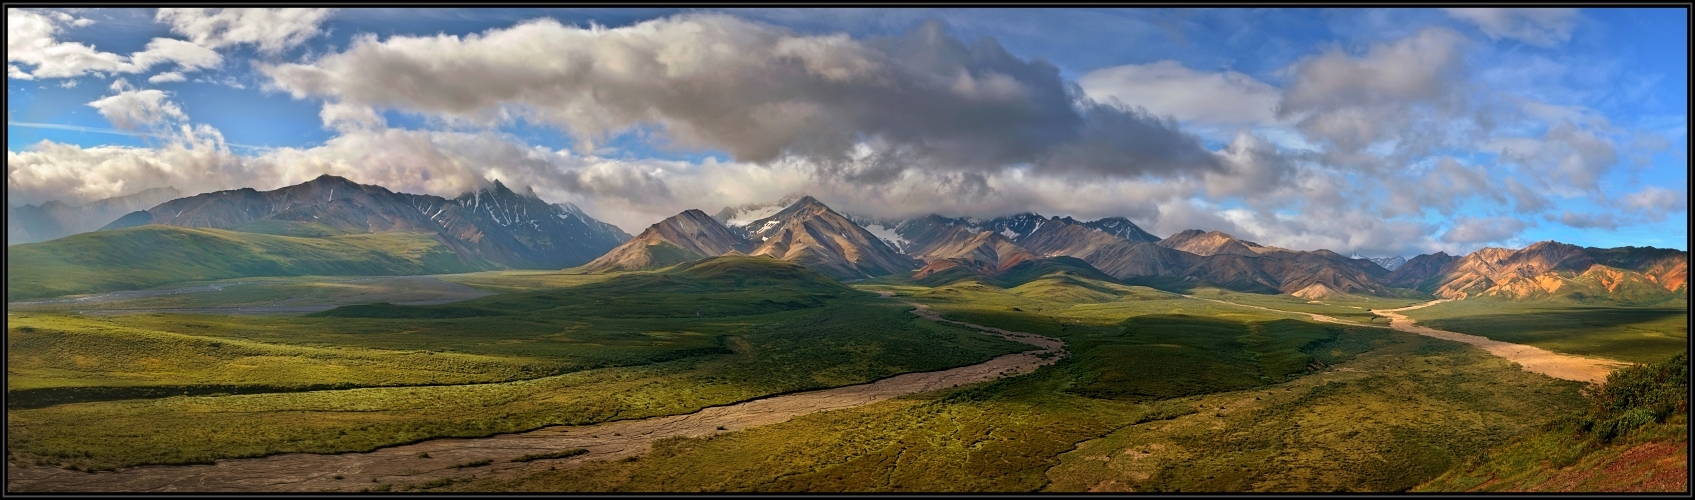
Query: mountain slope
[[1389, 263], [1206, 244], [811, 234], [51, 220], [493, 225], [687, 236], [148, 256], [1122, 228], [985, 252], [1551, 269], [1418, 269]]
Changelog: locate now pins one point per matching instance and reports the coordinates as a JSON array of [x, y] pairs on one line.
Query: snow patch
[[751, 216], [884, 233]]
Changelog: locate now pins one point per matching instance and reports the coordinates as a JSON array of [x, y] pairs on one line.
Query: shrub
[[1634, 396]]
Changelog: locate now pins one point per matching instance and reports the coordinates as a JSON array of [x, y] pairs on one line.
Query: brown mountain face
[[1415, 271], [688, 236], [1552, 269], [1205, 244], [985, 253], [1111, 254], [1242, 265], [490, 228], [811, 234], [1667, 267]]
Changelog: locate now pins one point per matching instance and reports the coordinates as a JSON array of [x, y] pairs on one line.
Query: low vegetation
[[1633, 436], [157, 255], [639, 346], [1223, 399], [1636, 334], [1160, 393]]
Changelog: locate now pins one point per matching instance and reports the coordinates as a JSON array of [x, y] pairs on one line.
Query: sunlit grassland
[[1349, 307], [262, 293], [523, 281], [149, 256], [828, 349], [1637, 334], [1383, 420], [640, 346], [57, 351]]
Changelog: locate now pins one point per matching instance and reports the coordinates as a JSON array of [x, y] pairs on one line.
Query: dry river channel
[[404, 465]]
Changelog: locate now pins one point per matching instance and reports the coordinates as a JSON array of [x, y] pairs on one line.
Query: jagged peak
[[807, 200]]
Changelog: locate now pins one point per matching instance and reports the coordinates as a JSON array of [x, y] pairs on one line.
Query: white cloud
[[1168, 88], [30, 40], [1526, 199], [1572, 158], [132, 109], [343, 117], [273, 30], [1544, 27], [1600, 220], [192, 159], [1483, 230], [188, 56], [759, 92], [1656, 202], [1409, 93], [171, 76]]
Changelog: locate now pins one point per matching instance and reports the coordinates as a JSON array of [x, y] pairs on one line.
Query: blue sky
[[1381, 131]]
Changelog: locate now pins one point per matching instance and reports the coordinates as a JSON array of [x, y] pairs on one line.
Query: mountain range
[[497, 228], [491, 228], [55, 219], [806, 232], [935, 248]]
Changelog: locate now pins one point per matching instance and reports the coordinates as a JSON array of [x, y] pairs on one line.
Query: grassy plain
[[1162, 393], [633, 346], [1637, 334], [149, 256]]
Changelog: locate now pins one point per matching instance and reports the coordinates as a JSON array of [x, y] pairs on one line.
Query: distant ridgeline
[[333, 226], [327, 226], [938, 249]]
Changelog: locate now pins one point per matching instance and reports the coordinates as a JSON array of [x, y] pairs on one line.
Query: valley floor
[[447, 459], [1132, 389]]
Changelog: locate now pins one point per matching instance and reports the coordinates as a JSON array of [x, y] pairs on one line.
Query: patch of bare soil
[[403, 465], [1531, 358]]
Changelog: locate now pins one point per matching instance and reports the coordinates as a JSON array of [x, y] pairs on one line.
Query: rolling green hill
[[715, 287], [148, 256]]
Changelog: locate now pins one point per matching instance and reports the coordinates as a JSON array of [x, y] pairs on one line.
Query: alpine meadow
[[847, 250]]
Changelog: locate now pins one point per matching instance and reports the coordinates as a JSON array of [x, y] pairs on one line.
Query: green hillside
[[148, 256], [1634, 437], [1019, 274]]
